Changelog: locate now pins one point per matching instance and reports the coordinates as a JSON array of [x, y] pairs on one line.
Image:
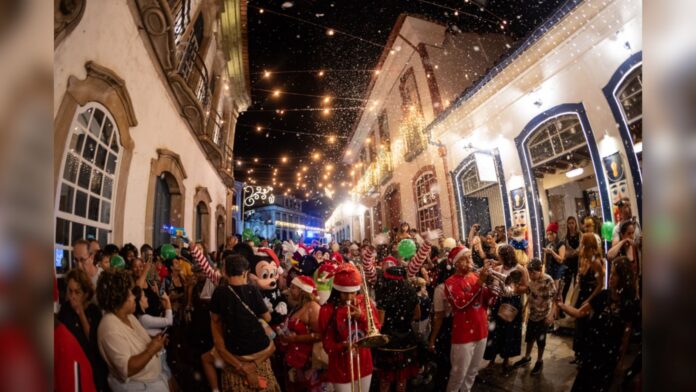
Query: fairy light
[[326, 111], [239, 163], [256, 160], [266, 74], [304, 168], [316, 156], [284, 159], [276, 93], [260, 10], [332, 140], [348, 153], [258, 129], [376, 72], [327, 99], [321, 73], [330, 32]]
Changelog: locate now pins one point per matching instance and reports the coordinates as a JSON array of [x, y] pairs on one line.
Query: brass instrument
[[350, 352], [373, 338]]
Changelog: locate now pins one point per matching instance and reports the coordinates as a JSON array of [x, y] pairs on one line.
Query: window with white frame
[[87, 182], [427, 202], [557, 137], [630, 95]]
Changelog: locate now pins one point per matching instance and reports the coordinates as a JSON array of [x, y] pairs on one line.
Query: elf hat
[[306, 284], [347, 279], [457, 253]]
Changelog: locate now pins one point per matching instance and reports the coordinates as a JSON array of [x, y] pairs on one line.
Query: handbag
[[507, 312], [266, 328]]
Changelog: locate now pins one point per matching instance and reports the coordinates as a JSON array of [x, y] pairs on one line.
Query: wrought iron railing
[[192, 69], [216, 131], [181, 14]]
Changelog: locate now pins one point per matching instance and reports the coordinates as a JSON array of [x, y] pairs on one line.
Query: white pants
[[364, 385], [465, 359]]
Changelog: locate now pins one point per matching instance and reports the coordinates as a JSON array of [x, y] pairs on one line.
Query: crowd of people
[[302, 316]]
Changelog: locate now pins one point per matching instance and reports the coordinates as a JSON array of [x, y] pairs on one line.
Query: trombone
[[372, 339]]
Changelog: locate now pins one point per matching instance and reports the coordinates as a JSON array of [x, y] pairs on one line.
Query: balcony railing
[[181, 16], [192, 68], [216, 130]]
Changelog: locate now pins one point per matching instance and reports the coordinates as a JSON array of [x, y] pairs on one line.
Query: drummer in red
[[333, 322], [470, 298]]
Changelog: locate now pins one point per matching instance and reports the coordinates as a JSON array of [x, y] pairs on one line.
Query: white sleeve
[[152, 322], [114, 347]]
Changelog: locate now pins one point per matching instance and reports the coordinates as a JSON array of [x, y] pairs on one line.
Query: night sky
[[291, 42]]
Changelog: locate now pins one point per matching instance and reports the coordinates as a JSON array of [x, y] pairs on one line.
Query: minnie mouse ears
[[268, 252]]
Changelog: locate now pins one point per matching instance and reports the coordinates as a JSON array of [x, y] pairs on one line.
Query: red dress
[[297, 355], [333, 322]]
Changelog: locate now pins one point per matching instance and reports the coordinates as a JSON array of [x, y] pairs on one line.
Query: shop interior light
[[574, 172]]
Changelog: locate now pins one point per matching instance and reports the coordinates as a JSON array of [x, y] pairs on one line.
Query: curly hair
[[80, 277], [507, 255], [113, 289]]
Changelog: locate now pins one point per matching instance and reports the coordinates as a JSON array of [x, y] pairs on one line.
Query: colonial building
[[553, 130], [280, 217], [397, 172], [146, 95]]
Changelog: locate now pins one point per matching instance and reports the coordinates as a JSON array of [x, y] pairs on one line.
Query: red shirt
[[333, 322], [470, 303], [70, 362]]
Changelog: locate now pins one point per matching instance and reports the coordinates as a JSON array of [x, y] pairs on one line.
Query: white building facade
[[146, 95], [553, 130]]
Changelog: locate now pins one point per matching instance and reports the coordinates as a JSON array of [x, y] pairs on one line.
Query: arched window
[[630, 95], [201, 221], [163, 210], [87, 184], [560, 136], [427, 202]]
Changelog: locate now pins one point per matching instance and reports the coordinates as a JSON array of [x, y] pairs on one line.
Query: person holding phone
[[132, 355]]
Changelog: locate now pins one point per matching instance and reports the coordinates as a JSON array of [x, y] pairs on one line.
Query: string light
[[330, 32], [332, 139], [321, 73], [326, 111], [258, 129], [256, 160], [284, 159], [266, 74], [276, 93]]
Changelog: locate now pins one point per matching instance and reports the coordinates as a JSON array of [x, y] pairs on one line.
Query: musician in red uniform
[[333, 322], [470, 298]]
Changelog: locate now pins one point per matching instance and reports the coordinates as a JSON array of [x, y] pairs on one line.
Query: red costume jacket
[[333, 322], [470, 303]]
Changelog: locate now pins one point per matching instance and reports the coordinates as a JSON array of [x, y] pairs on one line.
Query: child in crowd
[[541, 304]]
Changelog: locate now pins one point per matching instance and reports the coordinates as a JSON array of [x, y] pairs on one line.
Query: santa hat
[[347, 279], [336, 257], [553, 226], [306, 284], [457, 253], [389, 261], [326, 271], [268, 252]]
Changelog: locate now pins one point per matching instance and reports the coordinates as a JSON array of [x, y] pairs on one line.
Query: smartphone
[[164, 331]]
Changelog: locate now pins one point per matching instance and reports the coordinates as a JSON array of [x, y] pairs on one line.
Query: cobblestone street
[[558, 373]]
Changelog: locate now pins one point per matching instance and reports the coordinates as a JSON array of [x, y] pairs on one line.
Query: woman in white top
[[131, 354], [153, 325]]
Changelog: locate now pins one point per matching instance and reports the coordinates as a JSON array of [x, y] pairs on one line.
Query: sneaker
[[538, 366], [522, 362]]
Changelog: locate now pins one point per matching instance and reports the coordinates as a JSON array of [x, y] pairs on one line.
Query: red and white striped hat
[[347, 278], [305, 283], [457, 253]]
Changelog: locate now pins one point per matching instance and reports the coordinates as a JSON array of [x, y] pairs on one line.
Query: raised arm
[[368, 261], [202, 262]]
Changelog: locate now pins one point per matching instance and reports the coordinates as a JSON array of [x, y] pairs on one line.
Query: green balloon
[[607, 230], [117, 262], [247, 234], [406, 248], [168, 252], [256, 240]]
